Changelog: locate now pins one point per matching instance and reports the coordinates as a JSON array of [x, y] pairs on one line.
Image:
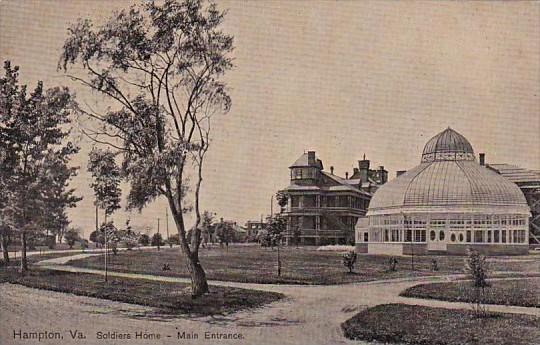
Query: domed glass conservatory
[[446, 204]]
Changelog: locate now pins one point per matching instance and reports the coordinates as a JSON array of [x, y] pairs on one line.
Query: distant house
[[230, 230], [253, 227], [323, 208]]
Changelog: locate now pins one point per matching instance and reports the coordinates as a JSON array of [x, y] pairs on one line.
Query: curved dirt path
[[309, 314]]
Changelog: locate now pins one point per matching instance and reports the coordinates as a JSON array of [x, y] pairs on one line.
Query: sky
[[341, 78]]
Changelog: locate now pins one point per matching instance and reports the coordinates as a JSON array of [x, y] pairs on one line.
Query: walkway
[[309, 314]]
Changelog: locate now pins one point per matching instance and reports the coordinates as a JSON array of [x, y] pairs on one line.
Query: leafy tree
[[223, 233], [97, 237], [161, 65], [477, 268], [173, 239], [144, 240], [349, 260], [35, 156], [207, 227], [128, 236], [157, 240], [111, 235], [71, 236], [105, 180], [282, 199], [276, 226], [84, 244]]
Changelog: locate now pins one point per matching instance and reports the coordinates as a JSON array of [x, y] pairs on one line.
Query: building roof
[[448, 145], [516, 174], [456, 182], [448, 141], [343, 185], [308, 159]]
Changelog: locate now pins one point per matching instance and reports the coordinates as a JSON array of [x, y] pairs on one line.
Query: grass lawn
[[303, 265], [166, 297], [254, 264], [520, 292], [410, 324]]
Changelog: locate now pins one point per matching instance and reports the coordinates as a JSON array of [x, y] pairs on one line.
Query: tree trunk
[[24, 263], [199, 285], [4, 242]]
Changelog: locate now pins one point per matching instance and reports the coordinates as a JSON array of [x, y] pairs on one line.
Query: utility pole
[[158, 234], [106, 248], [97, 225], [271, 206], [167, 226]]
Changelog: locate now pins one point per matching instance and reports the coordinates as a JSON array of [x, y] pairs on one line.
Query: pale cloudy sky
[[340, 78]]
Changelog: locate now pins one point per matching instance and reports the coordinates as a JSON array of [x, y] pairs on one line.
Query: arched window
[[432, 235], [441, 235], [453, 238], [460, 237]]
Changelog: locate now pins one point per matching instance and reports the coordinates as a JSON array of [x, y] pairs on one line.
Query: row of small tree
[[35, 151]]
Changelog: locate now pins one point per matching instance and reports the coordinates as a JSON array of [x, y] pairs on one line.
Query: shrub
[[157, 240], [392, 264], [349, 259], [144, 240]]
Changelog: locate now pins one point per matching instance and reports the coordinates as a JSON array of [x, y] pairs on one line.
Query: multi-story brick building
[[323, 208]]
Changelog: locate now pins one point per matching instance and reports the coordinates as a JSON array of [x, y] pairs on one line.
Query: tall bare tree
[[161, 65]]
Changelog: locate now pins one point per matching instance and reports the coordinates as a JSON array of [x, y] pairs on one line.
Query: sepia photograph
[[273, 172]]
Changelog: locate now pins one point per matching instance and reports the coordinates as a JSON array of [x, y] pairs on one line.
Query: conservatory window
[[478, 236], [420, 236], [408, 235]]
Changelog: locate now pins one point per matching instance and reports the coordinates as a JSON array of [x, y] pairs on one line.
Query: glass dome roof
[[448, 176], [448, 145]]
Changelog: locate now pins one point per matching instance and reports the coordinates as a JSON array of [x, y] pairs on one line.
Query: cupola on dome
[[447, 145]]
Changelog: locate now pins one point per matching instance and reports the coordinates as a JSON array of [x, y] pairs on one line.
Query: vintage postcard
[[269, 172]]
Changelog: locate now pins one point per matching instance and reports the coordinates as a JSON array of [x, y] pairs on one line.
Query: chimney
[[400, 172], [332, 170], [311, 158], [355, 171], [363, 166], [346, 175], [383, 175], [482, 157]]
